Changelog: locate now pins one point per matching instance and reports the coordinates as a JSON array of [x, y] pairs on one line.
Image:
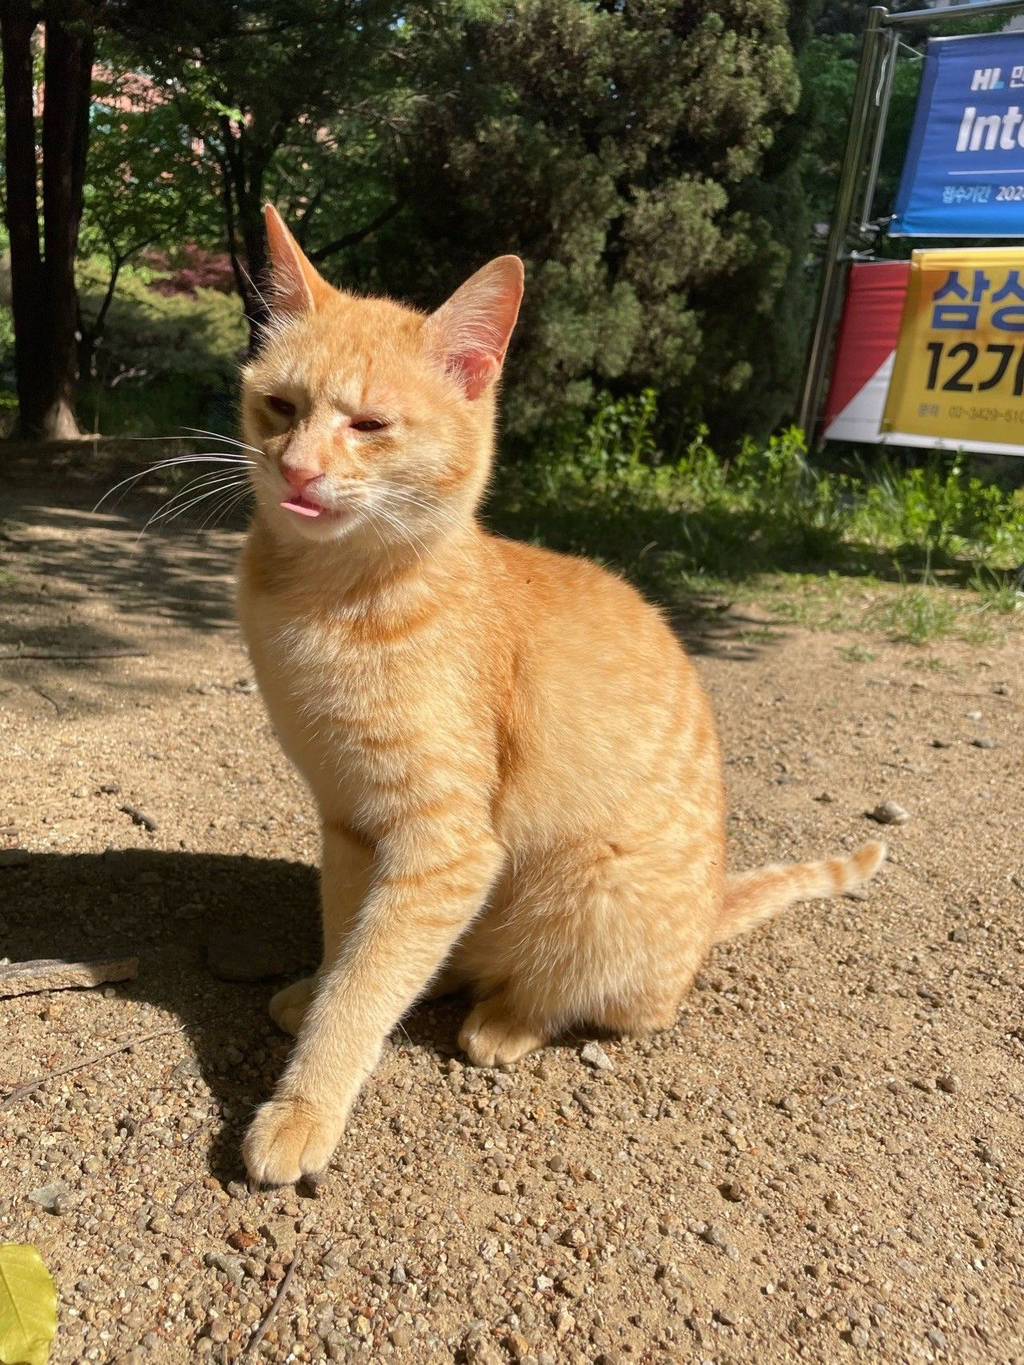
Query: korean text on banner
[[964, 171], [959, 372]]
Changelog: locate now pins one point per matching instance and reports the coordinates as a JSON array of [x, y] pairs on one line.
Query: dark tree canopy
[[657, 165]]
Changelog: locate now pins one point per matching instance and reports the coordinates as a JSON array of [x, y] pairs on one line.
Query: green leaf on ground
[[28, 1306]]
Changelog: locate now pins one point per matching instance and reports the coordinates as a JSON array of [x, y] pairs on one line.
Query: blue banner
[[964, 172]]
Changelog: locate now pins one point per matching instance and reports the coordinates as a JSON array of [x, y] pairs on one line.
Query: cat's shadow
[[194, 920]]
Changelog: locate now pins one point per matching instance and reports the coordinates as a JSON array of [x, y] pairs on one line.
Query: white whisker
[[220, 510], [219, 436], [256, 290], [405, 533], [181, 510], [414, 500], [169, 512], [205, 457], [214, 478]]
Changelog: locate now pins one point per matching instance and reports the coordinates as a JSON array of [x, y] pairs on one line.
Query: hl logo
[[987, 78]]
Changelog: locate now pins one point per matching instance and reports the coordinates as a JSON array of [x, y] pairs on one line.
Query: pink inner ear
[[475, 370]]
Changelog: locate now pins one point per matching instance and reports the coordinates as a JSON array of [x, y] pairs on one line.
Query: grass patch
[[818, 548], [930, 663], [1002, 593], [914, 615], [857, 654]]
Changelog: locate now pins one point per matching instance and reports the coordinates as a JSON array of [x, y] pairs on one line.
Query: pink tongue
[[303, 508]]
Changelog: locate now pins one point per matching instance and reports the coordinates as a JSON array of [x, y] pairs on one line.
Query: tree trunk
[[17, 25], [45, 301], [91, 334], [243, 166], [68, 81]]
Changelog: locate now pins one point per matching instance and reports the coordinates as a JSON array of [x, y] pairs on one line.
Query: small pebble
[[981, 743], [52, 1198], [889, 813], [714, 1236], [218, 1330], [950, 1083], [595, 1056]]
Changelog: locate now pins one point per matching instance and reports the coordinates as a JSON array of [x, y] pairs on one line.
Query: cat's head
[[369, 415]]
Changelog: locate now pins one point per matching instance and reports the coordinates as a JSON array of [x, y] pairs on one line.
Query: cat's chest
[[350, 711]]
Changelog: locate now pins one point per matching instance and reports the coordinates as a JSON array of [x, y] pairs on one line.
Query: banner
[[959, 372], [964, 171], [866, 350]]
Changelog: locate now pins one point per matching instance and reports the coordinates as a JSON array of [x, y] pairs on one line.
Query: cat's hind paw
[[492, 1036], [288, 1007]]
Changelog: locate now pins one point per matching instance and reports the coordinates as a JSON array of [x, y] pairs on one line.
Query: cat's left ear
[[471, 332]]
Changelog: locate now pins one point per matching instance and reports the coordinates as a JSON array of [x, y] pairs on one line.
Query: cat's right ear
[[297, 288]]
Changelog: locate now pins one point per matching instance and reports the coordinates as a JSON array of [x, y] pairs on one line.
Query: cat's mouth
[[305, 507]]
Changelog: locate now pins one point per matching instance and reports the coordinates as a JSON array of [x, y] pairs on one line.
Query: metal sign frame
[[861, 158]]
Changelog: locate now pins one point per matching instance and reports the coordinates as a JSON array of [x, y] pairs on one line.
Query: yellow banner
[[959, 371]]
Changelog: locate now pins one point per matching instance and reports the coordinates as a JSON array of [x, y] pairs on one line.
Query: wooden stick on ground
[[26, 1087], [92, 654], [53, 974], [264, 1327]]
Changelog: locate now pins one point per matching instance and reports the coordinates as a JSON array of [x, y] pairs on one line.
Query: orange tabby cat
[[516, 768]]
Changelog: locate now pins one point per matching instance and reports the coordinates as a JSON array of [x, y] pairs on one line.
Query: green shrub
[[165, 362], [607, 489]]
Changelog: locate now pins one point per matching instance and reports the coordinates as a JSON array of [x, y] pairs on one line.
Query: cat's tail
[[751, 897]]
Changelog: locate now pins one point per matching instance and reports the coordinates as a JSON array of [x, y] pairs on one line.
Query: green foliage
[[166, 362], [28, 1306], [939, 507], [623, 152], [147, 179], [828, 69], [606, 489]]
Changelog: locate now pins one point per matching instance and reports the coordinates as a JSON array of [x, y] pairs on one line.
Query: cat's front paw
[[288, 1007], [289, 1139]]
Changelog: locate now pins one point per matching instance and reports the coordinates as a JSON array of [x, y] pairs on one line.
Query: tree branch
[[359, 235]]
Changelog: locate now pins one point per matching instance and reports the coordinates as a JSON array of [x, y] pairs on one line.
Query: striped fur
[[751, 897]]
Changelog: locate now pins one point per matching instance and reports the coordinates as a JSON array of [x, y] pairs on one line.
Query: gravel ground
[[822, 1160]]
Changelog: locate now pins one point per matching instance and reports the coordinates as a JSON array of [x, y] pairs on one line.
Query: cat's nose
[[300, 476]]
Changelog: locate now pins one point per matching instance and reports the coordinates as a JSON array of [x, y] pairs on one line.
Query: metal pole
[[882, 98], [833, 272], [974, 10]]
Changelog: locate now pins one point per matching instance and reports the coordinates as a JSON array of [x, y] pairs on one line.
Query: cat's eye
[[369, 424], [281, 406]]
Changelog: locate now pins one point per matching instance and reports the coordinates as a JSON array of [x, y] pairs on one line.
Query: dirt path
[[822, 1159]]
